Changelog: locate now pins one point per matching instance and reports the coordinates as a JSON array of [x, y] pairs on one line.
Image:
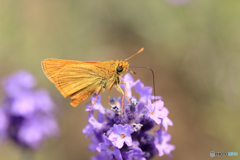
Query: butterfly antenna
[[135, 54], [152, 74]]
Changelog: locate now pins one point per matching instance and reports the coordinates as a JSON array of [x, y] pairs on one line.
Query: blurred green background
[[192, 48]]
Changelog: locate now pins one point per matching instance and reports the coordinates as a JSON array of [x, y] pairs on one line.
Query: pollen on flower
[[123, 135], [111, 147], [152, 113]]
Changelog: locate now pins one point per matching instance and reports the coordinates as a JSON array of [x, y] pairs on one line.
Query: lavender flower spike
[[127, 136], [121, 134]]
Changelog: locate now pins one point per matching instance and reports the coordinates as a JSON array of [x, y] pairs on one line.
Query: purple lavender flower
[[157, 111], [126, 136], [121, 134], [27, 115], [161, 143]]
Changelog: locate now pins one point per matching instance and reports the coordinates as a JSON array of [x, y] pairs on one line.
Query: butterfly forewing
[[51, 67], [76, 79]]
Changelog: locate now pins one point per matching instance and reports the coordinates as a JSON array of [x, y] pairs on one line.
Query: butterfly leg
[[126, 91], [120, 90], [109, 93], [95, 99]]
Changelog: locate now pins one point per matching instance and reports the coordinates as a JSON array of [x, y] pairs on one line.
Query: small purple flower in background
[[26, 115], [127, 136]]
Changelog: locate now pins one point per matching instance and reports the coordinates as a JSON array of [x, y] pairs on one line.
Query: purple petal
[[109, 148], [30, 135], [42, 98], [97, 106], [128, 140], [162, 136], [113, 136], [139, 87], [162, 113], [88, 130], [17, 82], [135, 153], [94, 123], [158, 104], [23, 105], [128, 129], [155, 118], [166, 122], [94, 144], [149, 106], [118, 128], [48, 126], [128, 79], [119, 142], [144, 92]]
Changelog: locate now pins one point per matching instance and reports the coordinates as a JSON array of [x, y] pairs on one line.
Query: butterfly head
[[122, 67]]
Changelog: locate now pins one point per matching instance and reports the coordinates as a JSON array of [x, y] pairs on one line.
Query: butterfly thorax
[[113, 70]]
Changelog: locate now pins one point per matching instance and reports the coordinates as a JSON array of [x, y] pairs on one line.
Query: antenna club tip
[[140, 50], [135, 54]]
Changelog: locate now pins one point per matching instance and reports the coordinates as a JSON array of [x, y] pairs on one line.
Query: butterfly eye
[[119, 68]]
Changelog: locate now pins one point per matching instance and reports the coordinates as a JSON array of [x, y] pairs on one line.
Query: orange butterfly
[[79, 79]]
